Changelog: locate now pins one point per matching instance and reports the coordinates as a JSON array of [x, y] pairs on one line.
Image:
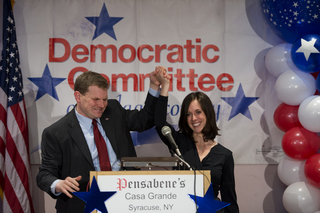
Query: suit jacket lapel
[[78, 137], [107, 124]]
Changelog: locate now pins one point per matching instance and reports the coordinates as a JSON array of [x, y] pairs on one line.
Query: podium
[[152, 191]]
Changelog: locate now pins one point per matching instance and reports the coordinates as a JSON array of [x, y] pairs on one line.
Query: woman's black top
[[219, 160]]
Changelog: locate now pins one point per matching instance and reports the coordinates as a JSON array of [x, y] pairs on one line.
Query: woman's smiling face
[[196, 117]]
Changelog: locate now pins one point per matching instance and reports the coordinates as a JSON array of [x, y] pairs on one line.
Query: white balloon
[[301, 197], [278, 59], [309, 113], [291, 170], [293, 86]]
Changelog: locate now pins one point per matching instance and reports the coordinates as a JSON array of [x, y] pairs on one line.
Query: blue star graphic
[[47, 84], [240, 104], [207, 203], [104, 23], [94, 198]]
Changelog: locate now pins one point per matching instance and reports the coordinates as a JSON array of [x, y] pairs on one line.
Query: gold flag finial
[[12, 3]]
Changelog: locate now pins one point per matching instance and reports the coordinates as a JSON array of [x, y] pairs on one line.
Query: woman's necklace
[[200, 148]]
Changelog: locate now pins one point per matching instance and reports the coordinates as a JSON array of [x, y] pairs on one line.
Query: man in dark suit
[[68, 148]]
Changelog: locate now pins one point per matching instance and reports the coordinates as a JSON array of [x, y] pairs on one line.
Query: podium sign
[[152, 191]]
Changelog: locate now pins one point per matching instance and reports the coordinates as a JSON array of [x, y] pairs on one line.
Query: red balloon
[[312, 170], [286, 117], [315, 74], [299, 143]]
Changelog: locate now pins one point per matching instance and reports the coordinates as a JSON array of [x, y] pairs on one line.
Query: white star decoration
[[307, 47], [300, 10]]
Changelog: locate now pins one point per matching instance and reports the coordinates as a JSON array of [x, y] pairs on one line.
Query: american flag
[[15, 176]]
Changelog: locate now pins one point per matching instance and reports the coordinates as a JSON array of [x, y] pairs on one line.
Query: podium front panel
[[152, 191]]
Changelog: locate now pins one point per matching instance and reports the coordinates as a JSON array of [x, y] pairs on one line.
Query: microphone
[[166, 131]]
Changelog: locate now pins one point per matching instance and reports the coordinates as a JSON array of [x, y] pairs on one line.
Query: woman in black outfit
[[195, 139]]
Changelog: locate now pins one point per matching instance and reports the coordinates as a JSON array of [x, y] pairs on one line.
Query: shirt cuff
[[154, 93], [53, 187]]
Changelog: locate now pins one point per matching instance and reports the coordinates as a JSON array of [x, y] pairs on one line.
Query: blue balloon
[[291, 20], [305, 53], [318, 82]]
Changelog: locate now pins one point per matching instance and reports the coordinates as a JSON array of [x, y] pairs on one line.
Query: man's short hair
[[90, 78]]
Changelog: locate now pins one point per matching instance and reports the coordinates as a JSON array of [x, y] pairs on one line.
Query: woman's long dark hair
[[210, 131]]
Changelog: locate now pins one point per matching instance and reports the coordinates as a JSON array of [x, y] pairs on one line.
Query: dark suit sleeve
[[160, 119], [64, 153], [118, 123], [141, 120], [51, 162]]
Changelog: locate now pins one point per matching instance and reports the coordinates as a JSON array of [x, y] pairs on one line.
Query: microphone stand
[[181, 159], [192, 169]]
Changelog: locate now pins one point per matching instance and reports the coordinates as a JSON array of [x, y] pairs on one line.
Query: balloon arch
[[296, 64]]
